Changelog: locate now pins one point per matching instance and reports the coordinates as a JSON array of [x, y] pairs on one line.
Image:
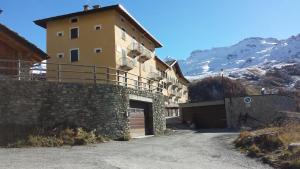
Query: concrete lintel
[[140, 98], [201, 104]]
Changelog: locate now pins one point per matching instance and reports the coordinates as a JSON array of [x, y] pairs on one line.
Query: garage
[[205, 115], [140, 118]]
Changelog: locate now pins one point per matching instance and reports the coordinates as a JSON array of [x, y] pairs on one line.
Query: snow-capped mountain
[[260, 54]]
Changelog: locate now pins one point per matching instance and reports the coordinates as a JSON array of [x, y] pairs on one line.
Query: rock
[[294, 146]]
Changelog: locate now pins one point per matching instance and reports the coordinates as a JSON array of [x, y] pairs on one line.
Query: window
[[123, 35], [144, 67], [98, 50], [98, 27], [74, 33], [74, 20], [74, 55], [60, 55], [124, 53], [60, 34]]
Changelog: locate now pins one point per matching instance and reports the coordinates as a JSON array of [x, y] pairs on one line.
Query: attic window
[[60, 34], [98, 50], [60, 55], [98, 27], [74, 20]]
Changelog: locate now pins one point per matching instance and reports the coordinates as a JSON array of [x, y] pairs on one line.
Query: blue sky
[[181, 25]]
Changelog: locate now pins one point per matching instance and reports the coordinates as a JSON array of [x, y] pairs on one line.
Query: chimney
[[86, 7], [96, 6]]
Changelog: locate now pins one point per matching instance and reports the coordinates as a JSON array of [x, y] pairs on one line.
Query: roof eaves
[[24, 41], [43, 22]]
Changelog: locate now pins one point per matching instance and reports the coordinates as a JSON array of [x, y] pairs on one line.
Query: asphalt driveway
[[183, 150]]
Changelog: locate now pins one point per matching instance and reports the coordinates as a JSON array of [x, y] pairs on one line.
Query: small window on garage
[[60, 55], [60, 34], [98, 27], [74, 55], [98, 50]]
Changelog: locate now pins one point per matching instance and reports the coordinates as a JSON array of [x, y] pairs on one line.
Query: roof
[[178, 70], [119, 8], [161, 61], [23, 41], [172, 63]]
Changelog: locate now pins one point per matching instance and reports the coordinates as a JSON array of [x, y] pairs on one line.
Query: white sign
[[247, 100]]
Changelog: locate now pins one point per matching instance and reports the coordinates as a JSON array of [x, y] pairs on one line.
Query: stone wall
[[26, 106], [262, 110]]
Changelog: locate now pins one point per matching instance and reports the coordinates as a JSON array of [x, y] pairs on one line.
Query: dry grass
[[271, 144], [67, 136]]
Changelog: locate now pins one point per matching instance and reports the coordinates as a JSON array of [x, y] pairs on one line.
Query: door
[[137, 122], [147, 114]]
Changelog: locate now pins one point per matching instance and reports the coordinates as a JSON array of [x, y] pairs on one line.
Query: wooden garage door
[[136, 122]]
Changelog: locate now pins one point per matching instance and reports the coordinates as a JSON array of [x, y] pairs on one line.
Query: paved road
[[183, 150]]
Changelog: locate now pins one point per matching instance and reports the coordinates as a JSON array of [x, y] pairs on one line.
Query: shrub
[[67, 135], [82, 137], [211, 88], [43, 141], [126, 137]]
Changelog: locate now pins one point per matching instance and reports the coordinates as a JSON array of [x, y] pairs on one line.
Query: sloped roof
[[173, 63], [170, 62], [23, 41], [118, 7]]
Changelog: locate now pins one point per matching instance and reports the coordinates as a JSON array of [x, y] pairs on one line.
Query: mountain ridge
[[253, 52]]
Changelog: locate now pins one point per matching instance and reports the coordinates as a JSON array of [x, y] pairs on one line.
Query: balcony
[[155, 76], [146, 55], [175, 84], [126, 63], [179, 95], [171, 92], [134, 50]]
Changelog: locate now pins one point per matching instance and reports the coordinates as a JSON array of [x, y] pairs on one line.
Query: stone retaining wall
[[26, 106], [262, 110]]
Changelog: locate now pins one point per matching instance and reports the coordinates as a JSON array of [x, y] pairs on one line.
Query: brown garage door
[[137, 122], [212, 116]]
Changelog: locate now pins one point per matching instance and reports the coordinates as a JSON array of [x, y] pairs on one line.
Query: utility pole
[[223, 90]]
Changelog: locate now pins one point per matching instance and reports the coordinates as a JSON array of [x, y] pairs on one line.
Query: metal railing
[[74, 73]]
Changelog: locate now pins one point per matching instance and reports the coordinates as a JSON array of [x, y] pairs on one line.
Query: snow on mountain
[[241, 59]]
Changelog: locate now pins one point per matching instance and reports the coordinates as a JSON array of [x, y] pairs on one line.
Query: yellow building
[[106, 44]]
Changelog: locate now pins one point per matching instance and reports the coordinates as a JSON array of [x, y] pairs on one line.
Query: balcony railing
[[126, 63], [153, 76], [74, 73], [134, 49]]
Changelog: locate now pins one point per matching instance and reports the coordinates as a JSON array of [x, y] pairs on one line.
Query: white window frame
[[95, 50], [57, 33], [70, 52], [75, 17], [95, 27], [63, 55], [77, 32]]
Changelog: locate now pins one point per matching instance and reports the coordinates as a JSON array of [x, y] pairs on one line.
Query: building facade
[[13, 49], [117, 49]]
